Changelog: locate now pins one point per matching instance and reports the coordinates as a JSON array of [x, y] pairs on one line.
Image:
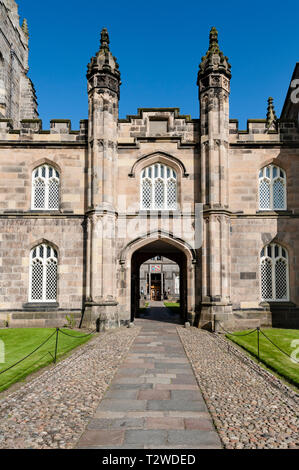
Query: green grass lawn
[[269, 355], [143, 309], [174, 307], [21, 342]]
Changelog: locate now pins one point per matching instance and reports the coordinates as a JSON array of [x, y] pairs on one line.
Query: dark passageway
[[158, 312], [159, 248]]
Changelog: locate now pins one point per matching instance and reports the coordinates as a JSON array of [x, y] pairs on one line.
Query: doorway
[[155, 286]]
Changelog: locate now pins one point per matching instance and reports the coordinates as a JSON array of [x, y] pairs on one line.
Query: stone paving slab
[[154, 400]]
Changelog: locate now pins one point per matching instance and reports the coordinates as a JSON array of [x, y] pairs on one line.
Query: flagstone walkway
[[154, 400]]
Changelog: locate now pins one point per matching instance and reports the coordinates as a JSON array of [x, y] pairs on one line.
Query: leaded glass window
[[158, 188], [272, 188], [274, 273], [45, 188], [43, 274]]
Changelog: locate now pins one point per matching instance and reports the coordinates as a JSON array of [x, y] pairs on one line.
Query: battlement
[[32, 130], [159, 123], [258, 130]]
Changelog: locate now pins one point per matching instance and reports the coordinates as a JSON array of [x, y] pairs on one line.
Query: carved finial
[[105, 41], [214, 46], [214, 60], [25, 27], [104, 63], [271, 116]]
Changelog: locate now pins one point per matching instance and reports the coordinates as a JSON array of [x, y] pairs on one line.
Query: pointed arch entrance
[[159, 244]]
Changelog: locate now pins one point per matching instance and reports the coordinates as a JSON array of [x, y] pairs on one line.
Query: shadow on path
[[158, 312]]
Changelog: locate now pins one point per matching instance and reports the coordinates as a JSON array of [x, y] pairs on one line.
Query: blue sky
[[159, 45]]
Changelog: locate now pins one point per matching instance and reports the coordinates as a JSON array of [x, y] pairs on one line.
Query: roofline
[[286, 102]]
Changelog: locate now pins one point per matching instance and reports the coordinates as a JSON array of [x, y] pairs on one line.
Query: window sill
[[47, 211], [159, 211], [277, 304], [276, 212], [40, 306]]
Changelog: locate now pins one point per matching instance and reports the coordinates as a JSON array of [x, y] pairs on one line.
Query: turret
[[103, 94], [103, 70], [214, 88]]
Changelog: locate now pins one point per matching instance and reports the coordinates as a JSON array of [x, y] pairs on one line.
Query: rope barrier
[[233, 334], [56, 332], [293, 359], [26, 357], [77, 337], [259, 331]]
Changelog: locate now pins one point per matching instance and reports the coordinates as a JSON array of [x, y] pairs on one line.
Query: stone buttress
[[103, 95], [214, 89]]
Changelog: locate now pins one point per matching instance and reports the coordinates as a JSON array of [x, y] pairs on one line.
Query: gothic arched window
[[43, 274], [45, 188], [274, 273], [158, 188], [272, 188]]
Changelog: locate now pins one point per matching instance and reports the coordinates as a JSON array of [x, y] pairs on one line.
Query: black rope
[[20, 374], [233, 334], [290, 357], [77, 337], [2, 372]]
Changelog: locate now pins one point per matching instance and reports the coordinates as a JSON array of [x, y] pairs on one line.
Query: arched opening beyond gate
[[166, 249]]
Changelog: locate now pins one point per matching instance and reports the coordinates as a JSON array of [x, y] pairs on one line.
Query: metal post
[[56, 346], [258, 343]]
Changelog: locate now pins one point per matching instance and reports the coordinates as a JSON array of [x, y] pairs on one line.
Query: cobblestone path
[[154, 400], [251, 408], [52, 410]]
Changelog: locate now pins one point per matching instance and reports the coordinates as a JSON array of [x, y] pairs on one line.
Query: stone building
[[81, 211], [159, 279], [17, 94]]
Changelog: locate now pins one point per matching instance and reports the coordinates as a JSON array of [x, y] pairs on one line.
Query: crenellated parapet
[[158, 123], [271, 129], [31, 130]]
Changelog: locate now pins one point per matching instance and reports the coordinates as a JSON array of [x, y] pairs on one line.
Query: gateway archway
[[175, 251]]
